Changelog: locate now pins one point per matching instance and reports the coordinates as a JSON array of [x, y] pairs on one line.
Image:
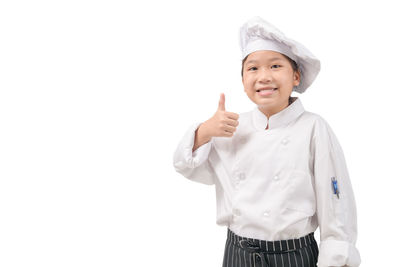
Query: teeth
[[267, 89]]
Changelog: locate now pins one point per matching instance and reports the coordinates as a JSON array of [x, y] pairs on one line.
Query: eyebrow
[[256, 61]]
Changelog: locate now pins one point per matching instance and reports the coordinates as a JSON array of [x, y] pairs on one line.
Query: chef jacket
[[276, 184]]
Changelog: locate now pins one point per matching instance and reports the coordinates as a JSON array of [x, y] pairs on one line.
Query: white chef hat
[[257, 34]]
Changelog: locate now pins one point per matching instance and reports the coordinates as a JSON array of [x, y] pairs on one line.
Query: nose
[[264, 75]]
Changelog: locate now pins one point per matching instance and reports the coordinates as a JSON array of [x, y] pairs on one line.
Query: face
[[264, 70]]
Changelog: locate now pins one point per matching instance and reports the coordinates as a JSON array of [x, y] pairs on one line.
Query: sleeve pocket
[[339, 208]]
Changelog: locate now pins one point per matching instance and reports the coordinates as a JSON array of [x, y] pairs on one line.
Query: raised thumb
[[221, 104]]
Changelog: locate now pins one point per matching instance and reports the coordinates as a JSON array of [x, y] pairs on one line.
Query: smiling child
[[279, 171]]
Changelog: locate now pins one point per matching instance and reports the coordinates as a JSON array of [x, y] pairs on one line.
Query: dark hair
[[294, 65]]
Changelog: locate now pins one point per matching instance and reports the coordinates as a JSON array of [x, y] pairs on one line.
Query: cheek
[[287, 78], [247, 86], [247, 81]]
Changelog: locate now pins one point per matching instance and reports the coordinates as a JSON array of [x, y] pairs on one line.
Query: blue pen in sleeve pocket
[[335, 186]]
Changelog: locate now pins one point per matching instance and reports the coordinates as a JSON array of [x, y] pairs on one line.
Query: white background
[[96, 95]]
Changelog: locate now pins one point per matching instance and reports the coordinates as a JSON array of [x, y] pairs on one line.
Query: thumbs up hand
[[223, 123]]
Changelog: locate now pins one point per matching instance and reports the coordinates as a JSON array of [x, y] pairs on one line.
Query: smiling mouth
[[267, 89]]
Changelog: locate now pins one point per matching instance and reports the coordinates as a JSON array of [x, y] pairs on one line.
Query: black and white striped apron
[[249, 252]]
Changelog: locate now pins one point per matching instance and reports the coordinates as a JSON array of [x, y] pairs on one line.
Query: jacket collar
[[280, 119]]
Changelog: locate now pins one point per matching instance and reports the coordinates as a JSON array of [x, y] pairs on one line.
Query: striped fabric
[[249, 252]]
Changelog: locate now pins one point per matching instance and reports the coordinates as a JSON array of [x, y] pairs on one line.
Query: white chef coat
[[275, 184]]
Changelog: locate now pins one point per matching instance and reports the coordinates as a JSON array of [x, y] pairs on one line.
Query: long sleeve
[[337, 217], [193, 165]]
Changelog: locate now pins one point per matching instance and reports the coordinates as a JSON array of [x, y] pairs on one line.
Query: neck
[[269, 111]]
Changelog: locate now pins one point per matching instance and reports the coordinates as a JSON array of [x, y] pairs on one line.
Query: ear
[[297, 77]]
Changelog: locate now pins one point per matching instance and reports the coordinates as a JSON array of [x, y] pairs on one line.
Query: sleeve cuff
[[338, 253], [197, 157]]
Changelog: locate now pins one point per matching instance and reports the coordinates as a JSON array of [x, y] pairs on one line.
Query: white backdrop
[[95, 96]]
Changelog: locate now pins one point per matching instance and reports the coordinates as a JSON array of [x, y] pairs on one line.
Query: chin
[[265, 100], [267, 104]]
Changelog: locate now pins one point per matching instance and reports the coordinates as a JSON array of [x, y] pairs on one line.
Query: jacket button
[[237, 183], [276, 177], [285, 141], [236, 212], [266, 214], [242, 176]]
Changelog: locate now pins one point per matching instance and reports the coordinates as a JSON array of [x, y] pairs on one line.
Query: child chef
[[279, 171]]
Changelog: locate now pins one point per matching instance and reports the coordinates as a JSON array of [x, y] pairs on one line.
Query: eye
[[253, 68], [276, 65]]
